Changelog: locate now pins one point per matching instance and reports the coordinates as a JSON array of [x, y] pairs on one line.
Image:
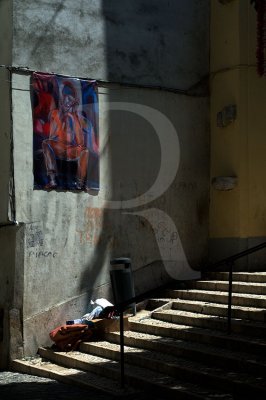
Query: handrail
[[229, 261]]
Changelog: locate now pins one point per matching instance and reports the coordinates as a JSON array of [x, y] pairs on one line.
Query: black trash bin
[[122, 281]]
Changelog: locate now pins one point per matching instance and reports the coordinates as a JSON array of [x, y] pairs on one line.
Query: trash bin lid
[[120, 260]]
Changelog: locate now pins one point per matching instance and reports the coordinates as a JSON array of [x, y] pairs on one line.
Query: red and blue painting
[[65, 133]]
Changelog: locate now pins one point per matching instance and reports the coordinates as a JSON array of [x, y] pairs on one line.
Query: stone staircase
[[177, 346]]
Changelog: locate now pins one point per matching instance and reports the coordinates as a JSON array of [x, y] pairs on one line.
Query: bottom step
[[155, 382], [36, 366]]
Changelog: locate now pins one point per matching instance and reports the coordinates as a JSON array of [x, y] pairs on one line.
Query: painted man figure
[[66, 138]]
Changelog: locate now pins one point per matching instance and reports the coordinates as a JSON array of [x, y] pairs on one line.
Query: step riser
[[223, 287], [237, 276], [208, 323], [170, 369], [259, 316], [190, 335], [19, 366], [133, 381], [191, 354], [63, 359], [72, 377], [216, 298]]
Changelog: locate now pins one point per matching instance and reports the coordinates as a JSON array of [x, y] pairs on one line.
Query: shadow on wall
[[132, 154], [141, 48], [46, 27]]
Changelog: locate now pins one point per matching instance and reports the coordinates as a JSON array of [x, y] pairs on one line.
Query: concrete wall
[[6, 10], [70, 238], [154, 146], [237, 217], [11, 293], [5, 144], [7, 233], [136, 41], [5, 105]]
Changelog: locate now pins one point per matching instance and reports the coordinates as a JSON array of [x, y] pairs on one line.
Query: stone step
[[238, 287], [154, 303], [259, 277], [88, 380], [238, 299], [248, 313], [193, 371], [153, 381], [254, 329], [207, 354], [198, 335], [178, 346]]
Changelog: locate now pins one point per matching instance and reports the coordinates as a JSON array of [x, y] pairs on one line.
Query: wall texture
[[7, 233], [6, 11], [5, 104], [237, 217], [5, 143], [74, 236], [154, 152], [136, 41]]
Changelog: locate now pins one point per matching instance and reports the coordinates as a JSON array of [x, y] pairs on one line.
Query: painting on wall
[[65, 133]]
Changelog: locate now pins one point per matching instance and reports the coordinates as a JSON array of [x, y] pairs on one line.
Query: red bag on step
[[68, 337]]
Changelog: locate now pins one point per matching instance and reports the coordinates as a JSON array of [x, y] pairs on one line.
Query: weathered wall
[[146, 136], [7, 262], [7, 233], [5, 104], [5, 143], [11, 292], [6, 25], [237, 217], [136, 41], [70, 238]]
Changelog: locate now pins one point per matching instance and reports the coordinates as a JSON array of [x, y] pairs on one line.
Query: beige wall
[[237, 216]]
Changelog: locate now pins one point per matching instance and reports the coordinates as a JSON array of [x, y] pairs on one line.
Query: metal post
[[230, 286], [122, 365]]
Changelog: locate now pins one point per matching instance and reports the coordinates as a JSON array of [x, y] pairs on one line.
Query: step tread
[[177, 344], [217, 293], [246, 312], [37, 366], [237, 286], [176, 302], [215, 296], [151, 322], [240, 283], [241, 276], [207, 316], [157, 359], [141, 374], [218, 305]]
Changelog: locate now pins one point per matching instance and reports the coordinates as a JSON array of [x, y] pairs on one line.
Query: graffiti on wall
[[34, 236], [35, 242], [42, 254], [90, 233]]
